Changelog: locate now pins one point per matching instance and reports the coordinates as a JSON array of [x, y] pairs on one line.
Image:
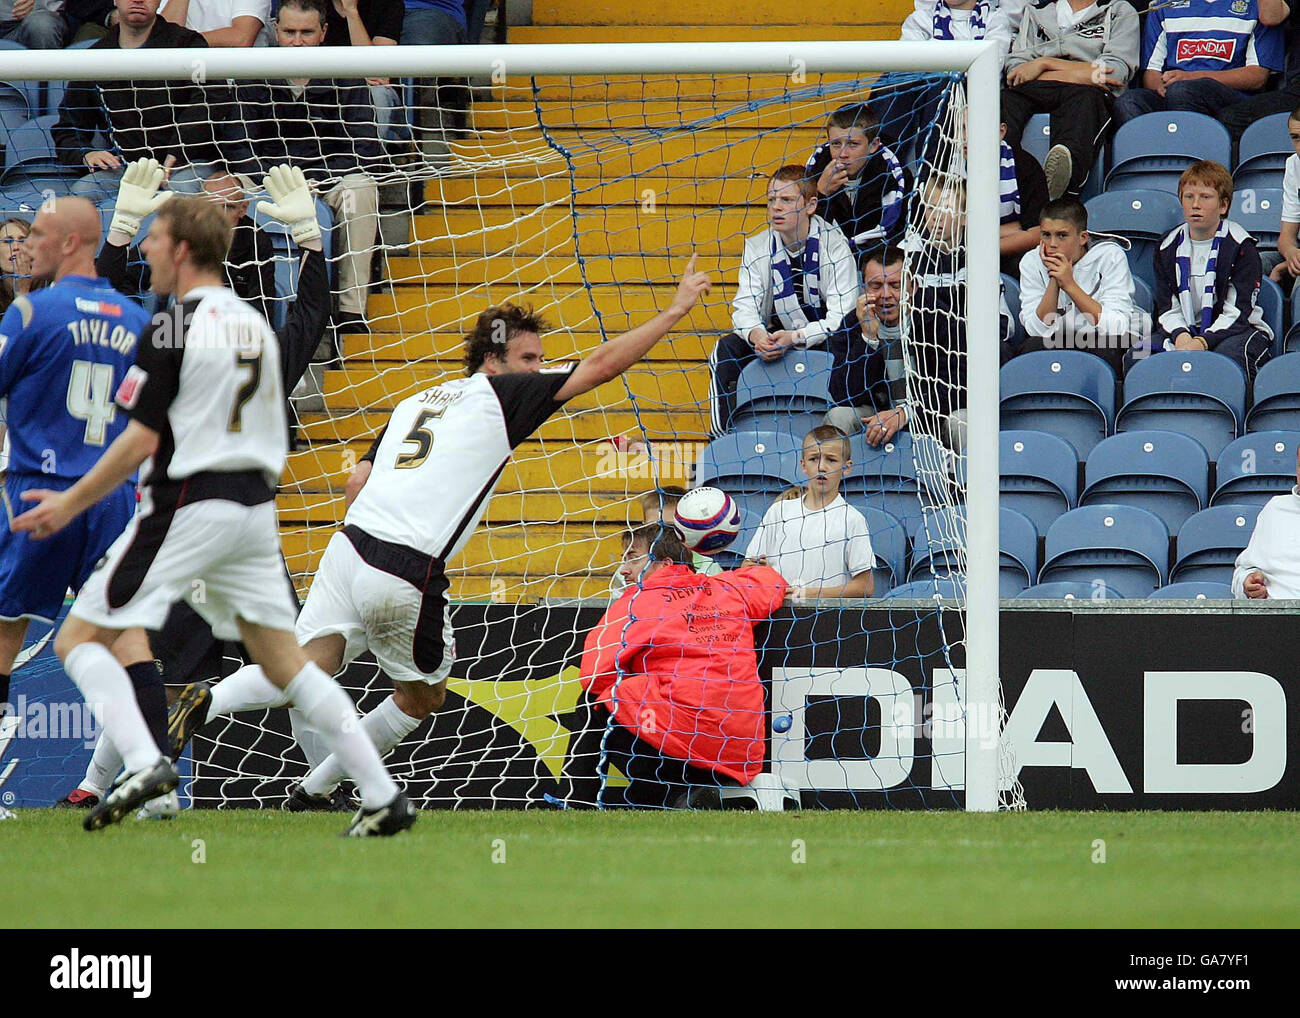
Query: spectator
[[250, 263], [797, 282], [182, 124], [1070, 59], [1269, 566], [36, 24], [1012, 10], [326, 127], [909, 105], [1289, 267], [1241, 114], [15, 262], [1023, 193], [89, 19], [1076, 291], [226, 23], [369, 23], [1208, 276], [868, 373], [860, 182], [819, 542], [437, 107], [673, 698], [1201, 56]]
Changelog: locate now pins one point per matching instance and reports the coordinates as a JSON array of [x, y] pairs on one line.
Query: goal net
[[583, 195]]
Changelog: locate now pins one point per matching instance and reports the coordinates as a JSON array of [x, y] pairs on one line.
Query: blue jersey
[[64, 351], [1210, 35]]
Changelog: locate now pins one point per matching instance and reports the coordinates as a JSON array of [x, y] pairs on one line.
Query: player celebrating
[[206, 403], [382, 583], [63, 352]]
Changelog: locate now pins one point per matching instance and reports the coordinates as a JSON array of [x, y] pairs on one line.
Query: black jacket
[[328, 129], [150, 119], [878, 202]]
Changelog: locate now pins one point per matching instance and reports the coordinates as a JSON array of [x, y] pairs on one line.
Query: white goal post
[[978, 61]]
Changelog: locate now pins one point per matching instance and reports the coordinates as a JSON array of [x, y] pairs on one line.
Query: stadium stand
[[1151, 151], [1161, 471], [752, 467], [1114, 546], [1276, 405], [1258, 210], [1200, 394], [1017, 552], [1262, 153], [934, 588], [1209, 542], [1193, 590], [1143, 218], [1067, 393], [1256, 467], [1068, 591], [1039, 475], [797, 383]]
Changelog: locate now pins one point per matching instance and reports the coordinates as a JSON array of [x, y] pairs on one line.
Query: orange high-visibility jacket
[[683, 644]]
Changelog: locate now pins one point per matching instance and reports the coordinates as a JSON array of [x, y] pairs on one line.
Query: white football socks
[[105, 764], [111, 698], [325, 706], [308, 739], [246, 689], [387, 725]]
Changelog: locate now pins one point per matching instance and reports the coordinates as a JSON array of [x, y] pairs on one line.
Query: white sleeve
[[999, 30], [918, 27], [858, 555], [1251, 557], [1115, 295], [1014, 11], [259, 9], [842, 293], [1156, 62], [747, 307], [759, 543], [1033, 284], [1291, 191]]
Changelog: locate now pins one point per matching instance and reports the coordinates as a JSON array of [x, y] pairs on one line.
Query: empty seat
[[1262, 153], [1256, 467], [896, 475], [1160, 471], [1199, 393], [938, 537], [796, 425], [797, 383], [1068, 591], [1017, 552], [1277, 396], [1111, 546], [1143, 217], [1258, 210], [30, 154], [1291, 341], [1039, 475], [1271, 301], [1011, 296], [888, 544], [1193, 591], [752, 467], [933, 588], [1209, 542], [1063, 392], [1151, 151]]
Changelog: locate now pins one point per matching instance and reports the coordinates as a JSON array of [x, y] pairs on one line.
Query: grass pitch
[[876, 869]]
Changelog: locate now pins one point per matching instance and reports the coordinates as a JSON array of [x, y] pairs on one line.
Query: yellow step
[[684, 424], [675, 388], [631, 115], [518, 192], [678, 87], [380, 348], [591, 34], [711, 12], [450, 270]]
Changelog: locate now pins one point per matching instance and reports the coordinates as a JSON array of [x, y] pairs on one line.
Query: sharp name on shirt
[[97, 332], [441, 398]]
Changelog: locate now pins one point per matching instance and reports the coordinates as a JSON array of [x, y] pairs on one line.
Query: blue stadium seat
[[1197, 393], [1209, 542], [1277, 396], [1256, 467], [1262, 153], [1291, 341], [933, 588], [796, 425], [1160, 471], [31, 162], [1271, 302], [1063, 392], [888, 544], [798, 382], [1040, 475], [1017, 552], [1151, 151], [938, 538], [1069, 591], [1143, 217], [1117, 546], [1193, 590], [1258, 210], [752, 467], [1142, 295], [893, 476], [1011, 294], [1037, 141]]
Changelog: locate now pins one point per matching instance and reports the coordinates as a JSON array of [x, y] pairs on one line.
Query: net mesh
[[584, 197]]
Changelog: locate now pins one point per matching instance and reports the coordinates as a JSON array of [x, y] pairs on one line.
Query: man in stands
[[1241, 114], [184, 125], [326, 127], [1269, 566], [368, 23], [220, 22], [797, 282]]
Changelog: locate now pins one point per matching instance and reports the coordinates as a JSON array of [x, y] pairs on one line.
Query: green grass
[[878, 869]]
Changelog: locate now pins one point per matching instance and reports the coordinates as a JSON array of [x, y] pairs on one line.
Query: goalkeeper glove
[[138, 196], [292, 203]]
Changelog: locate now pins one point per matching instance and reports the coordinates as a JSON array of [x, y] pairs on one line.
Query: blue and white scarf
[[892, 201], [1008, 187], [1183, 272], [943, 20], [789, 305]]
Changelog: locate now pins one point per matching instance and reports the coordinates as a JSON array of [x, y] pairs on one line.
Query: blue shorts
[[35, 576]]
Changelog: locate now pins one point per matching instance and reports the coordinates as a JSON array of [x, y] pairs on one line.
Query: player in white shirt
[[382, 585], [818, 542], [207, 408]]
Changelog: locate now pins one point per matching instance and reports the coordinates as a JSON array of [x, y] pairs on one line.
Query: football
[[707, 520]]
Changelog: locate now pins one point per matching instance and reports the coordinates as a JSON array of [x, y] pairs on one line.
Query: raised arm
[[611, 359]]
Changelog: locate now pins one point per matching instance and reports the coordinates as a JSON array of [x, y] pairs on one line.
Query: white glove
[[138, 196], [292, 203]]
